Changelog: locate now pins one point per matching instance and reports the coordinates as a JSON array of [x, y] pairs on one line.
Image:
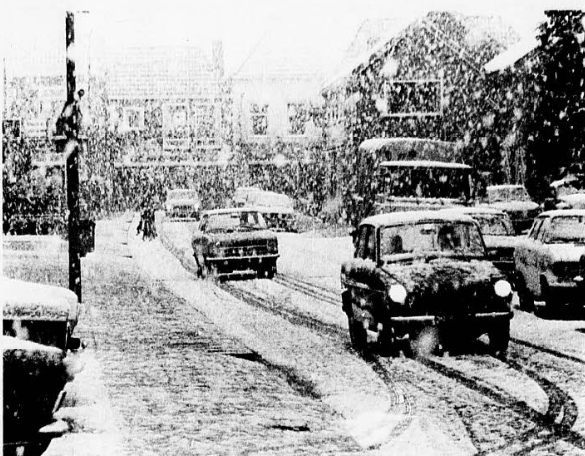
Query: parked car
[[568, 193], [498, 234], [183, 204], [38, 322], [276, 208], [45, 314], [424, 277], [514, 200], [242, 195], [234, 241], [550, 261]]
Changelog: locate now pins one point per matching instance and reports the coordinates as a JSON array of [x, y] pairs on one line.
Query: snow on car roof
[[475, 210], [396, 218], [504, 186], [377, 143], [229, 210], [31, 300], [563, 212], [424, 164]]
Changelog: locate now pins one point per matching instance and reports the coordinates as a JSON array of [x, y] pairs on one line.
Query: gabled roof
[[286, 50], [159, 72], [371, 38], [479, 29]]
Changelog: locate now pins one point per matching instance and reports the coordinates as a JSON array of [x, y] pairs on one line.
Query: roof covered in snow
[[375, 38], [512, 55], [159, 72]]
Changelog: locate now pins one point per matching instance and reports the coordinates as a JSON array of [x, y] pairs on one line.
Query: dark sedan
[[424, 278], [234, 242]]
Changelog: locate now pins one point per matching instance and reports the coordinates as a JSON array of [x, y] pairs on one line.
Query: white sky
[[30, 27]]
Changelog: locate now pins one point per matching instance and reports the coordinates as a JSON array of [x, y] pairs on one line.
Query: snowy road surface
[[265, 367]]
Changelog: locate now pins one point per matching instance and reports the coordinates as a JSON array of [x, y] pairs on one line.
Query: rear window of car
[[234, 221], [567, 229], [183, 194]]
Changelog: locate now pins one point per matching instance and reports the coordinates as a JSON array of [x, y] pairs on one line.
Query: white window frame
[[263, 112], [305, 108], [169, 142], [126, 110], [439, 108]]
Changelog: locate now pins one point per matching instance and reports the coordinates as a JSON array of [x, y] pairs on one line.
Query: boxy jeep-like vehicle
[[424, 278]]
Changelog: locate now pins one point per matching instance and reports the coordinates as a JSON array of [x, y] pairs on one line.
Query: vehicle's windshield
[[567, 228], [182, 194], [234, 221], [424, 182], [494, 225], [502, 194], [444, 238]]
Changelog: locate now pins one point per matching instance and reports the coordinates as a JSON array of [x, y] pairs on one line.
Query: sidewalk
[[160, 378]]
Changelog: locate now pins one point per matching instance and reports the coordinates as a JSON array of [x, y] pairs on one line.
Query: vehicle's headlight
[[503, 288], [397, 293]]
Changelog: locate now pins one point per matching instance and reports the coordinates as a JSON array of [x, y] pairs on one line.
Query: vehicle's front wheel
[[387, 345], [357, 334], [550, 303], [499, 338]]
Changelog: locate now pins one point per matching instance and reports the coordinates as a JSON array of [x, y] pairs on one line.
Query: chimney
[[217, 58]]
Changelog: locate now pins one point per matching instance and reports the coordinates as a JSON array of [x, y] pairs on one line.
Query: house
[[165, 104], [415, 78]]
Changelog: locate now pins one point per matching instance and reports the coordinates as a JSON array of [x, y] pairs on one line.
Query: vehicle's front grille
[[245, 250], [448, 300]]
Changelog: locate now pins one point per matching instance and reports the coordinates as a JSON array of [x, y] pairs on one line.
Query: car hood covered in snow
[[494, 242], [566, 252], [439, 274], [34, 301], [515, 206]]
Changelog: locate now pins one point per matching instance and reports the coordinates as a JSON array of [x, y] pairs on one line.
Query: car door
[[534, 256], [363, 267], [522, 253]]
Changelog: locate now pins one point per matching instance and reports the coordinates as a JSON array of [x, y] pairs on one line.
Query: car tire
[[550, 304], [357, 334], [499, 338], [387, 342], [524, 295]]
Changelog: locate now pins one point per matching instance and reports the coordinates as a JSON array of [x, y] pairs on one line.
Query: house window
[[176, 128], [259, 117], [417, 97], [133, 119], [206, 124], [11, 128], [297, 118]]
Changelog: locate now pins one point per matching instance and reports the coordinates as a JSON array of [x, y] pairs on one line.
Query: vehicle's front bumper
[[438, 319], [234, 265], [568, 292]]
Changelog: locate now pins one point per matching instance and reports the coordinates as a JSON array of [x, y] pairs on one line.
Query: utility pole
[[72, 148]]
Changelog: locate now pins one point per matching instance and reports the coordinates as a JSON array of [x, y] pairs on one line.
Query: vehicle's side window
[[366, 247], [543, 230], [203, 224], [360, 247], [534, 231]]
